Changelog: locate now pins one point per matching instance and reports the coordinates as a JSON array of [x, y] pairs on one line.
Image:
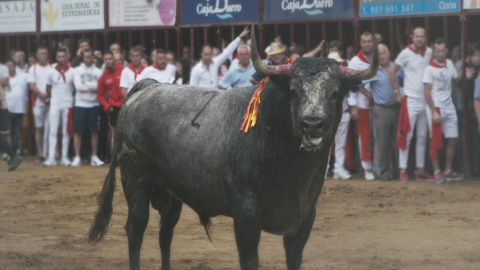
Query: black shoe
[[14, 162]]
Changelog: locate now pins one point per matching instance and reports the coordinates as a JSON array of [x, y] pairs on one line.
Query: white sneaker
[[76, 162], [344, 175], [96, 162], [50, 163], [369, 176], [65, 162]]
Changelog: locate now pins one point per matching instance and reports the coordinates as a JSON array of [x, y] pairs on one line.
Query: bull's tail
[[104, 211]]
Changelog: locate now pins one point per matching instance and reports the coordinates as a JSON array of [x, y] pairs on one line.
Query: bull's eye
[[293, 93]]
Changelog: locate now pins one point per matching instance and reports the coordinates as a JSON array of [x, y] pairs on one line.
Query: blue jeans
[[15, 127]]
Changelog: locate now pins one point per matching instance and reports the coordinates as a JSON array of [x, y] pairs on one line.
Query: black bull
[[181, 144]]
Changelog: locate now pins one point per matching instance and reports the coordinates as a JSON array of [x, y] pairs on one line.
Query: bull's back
[[191, 136]]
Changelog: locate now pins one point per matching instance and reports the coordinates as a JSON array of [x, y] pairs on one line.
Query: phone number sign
[[376, 8]]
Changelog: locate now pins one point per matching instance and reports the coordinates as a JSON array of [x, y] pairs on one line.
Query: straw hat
[[275, 48]]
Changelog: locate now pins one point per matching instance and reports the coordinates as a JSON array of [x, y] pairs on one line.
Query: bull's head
[[317, 87]]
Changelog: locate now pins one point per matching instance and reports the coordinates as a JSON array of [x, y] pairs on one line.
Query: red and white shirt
[[38, 75], [414, 63], [440, 77], [62, 87], [160, 75], [130, 76]]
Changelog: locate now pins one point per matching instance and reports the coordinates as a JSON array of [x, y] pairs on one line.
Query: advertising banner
[[128, 13], [373, 8], [218, 11], [18, 16], [67, 15], [279, 10], [471, 4]]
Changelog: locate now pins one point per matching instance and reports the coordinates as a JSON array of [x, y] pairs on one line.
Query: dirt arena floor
[[46, 213]]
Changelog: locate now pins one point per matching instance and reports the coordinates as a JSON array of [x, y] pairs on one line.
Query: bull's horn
[[365, 74], [260, 67]]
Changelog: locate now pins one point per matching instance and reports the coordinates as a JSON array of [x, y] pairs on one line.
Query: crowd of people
[[409, 97]]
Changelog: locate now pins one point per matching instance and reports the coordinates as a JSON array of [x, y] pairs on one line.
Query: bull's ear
[[350, 84]]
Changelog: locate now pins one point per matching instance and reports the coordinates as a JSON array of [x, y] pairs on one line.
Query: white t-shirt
[[414, 65], [62, 92], [441, 80], [38, 75], [358, 99], [16, 93], [204, 76], [162, 76], [127, 79]]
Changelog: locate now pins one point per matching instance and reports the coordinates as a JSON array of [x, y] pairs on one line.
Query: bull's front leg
[[294, 244], [247, 225]]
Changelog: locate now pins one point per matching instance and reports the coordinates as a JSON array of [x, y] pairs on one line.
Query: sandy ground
[[46, 213]]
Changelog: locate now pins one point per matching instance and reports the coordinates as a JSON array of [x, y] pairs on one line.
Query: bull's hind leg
[[167, 224], [294, 244], [138, 191]]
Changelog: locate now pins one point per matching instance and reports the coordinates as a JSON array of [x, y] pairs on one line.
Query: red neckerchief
[[434, 63], [136, 72], [156, 67], [362, 57], [62, 72], [422, 52]]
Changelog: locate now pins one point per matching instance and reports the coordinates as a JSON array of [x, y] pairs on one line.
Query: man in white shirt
[[87, 108], [441, 113], [131, 73], [60, 90], [360, 104], [239, 76], [37, 83], [413, 59], [160, 70], [205, 72], [21, 61], [16, 94]]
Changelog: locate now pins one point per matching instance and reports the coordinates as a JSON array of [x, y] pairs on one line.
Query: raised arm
[[315, 51], [221, 58]]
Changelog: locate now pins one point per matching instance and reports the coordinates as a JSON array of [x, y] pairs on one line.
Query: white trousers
[[58, 114], [340, 143], [418, 119]]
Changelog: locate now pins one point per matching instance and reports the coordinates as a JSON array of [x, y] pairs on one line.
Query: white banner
[[128, 13], [66, 15], [17, 16], [471, 4]]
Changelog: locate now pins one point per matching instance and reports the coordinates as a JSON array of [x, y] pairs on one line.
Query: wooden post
[[192, 45], [167, 40], [292, 34], [465, 100], [391, 39], [308, 38], [178, 32], [409, 31], [154, 39], [129, 40], [445, 29], [340, 33]]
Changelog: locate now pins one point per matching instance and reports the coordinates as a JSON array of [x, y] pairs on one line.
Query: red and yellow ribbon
[[250, 116]]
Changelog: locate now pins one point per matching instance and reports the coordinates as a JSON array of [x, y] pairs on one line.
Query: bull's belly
[[284, 220]]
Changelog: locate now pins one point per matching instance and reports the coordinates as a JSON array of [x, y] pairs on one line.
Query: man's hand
[[110, 109], [354, 113], [397, 97], [436, 117], [244, 33], [3, 105], [469, 73]]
